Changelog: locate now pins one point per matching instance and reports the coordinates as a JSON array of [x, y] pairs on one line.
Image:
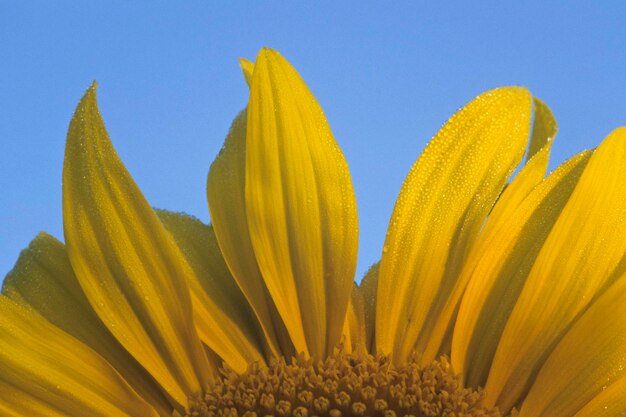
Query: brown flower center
[[356, 384]]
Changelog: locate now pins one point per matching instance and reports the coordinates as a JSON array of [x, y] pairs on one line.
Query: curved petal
[[581, 252], [16, 403], [226, 197], [224, 320], [355, 321], [127, 264], [611, 402], [46, 372], [369, 287], [499, 265], [300, 206], [248, 69], [43, 281], [590, 358], [440, 210], [544, 130]]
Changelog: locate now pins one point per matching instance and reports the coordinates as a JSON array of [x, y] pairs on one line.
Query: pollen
[[344, 384]]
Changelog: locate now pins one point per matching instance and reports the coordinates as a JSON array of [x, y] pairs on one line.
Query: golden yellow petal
[[590, 358], [440, 210], [578, 257], [224, 320], [43, 281], [300, 206], [248, 68], [501, 259], [544, 130], [129, 267], [356, 319], [611, 402], [226, 197], [346, 339], [369, 287], [47, 372], [16, 403]]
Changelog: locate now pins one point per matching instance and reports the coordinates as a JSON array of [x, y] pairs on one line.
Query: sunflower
[[493, 295]]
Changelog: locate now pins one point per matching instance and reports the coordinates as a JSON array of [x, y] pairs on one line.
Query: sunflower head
[[354, 384], [494, 292]]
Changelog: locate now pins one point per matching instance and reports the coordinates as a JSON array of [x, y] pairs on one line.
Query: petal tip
[[42, 235], [621, 130], [89, 99], [247, 67], [268, 54], [91, 91], [245, 63], [518, 90]]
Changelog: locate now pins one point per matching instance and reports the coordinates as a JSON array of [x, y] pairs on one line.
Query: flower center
[[356, 384]]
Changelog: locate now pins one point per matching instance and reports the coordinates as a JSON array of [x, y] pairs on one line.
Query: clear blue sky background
[[388, 75]]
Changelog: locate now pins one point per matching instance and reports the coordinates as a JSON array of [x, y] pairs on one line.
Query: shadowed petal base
[[356, 384]]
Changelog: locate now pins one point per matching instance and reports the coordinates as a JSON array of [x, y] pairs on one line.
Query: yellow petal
[[16, 403], [43, 281], [500, 262], [610, 402], [538, 157], [248, 68], [346, 340], [578, 257], [590, 358], [369, 287], [224, 320], [45, 372], [300, 206], [356, 320], [440, 210], [226, 197], [129, 267], [544, 130]]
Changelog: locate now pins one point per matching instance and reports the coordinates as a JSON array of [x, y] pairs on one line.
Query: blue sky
[[387, 75]]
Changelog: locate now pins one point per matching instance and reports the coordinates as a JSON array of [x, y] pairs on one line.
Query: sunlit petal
[[369, 287], [441, 207], [578, 257], [590, 358], [224, 320], [355, 319], [43, 281], [500, 262], [300, 206], [129, 267], [248, 69], [45, 371], [544, 130], [226, 197], [611, 402]]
